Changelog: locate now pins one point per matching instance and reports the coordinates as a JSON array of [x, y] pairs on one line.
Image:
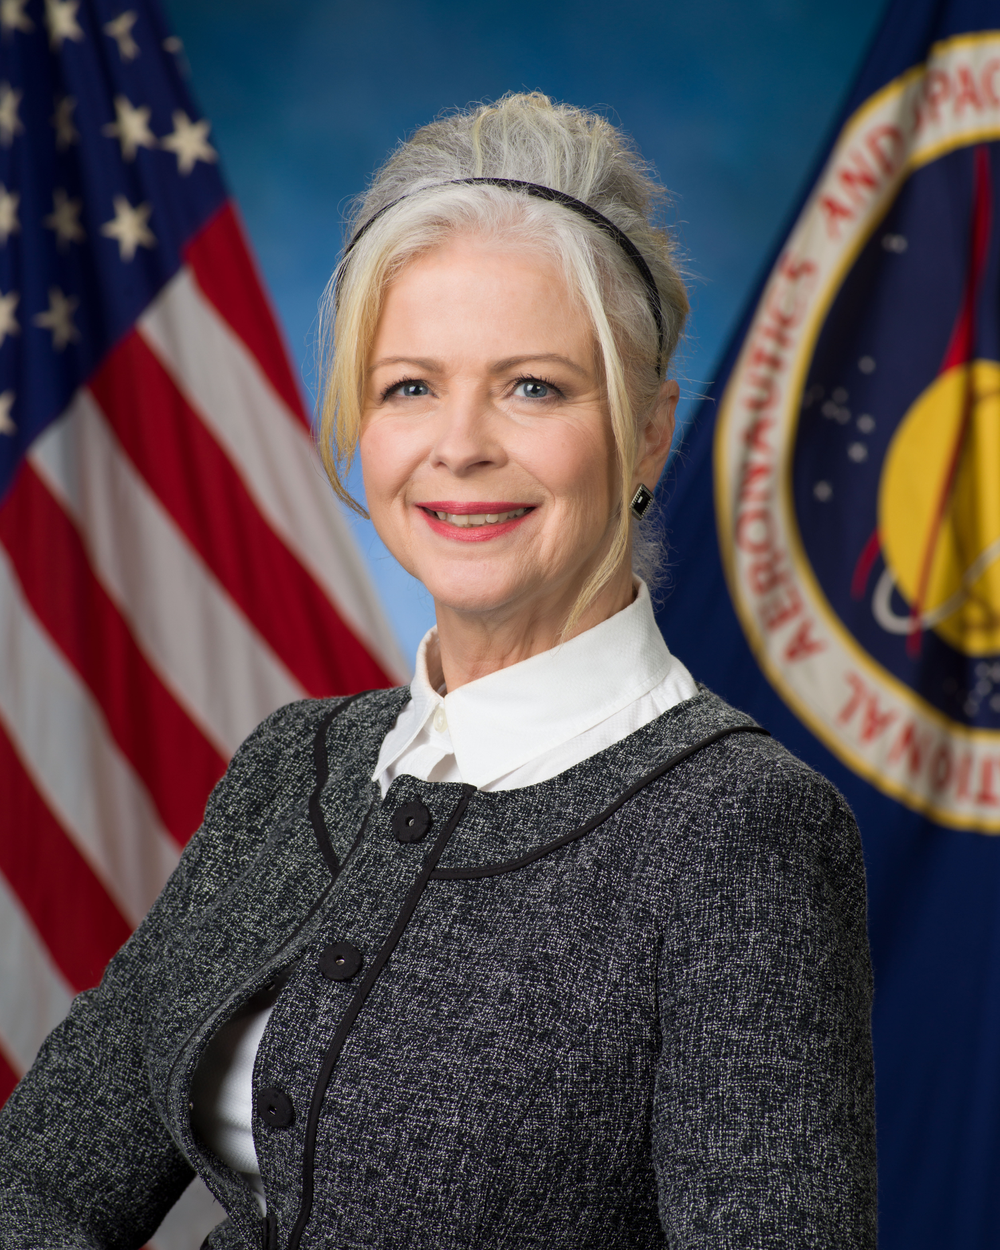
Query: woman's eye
[[412, 390], [531, 389]]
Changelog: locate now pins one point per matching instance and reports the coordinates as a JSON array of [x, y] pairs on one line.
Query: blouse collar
[[507, 718]]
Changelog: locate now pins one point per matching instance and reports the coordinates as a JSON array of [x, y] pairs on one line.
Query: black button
[[411, 822], [275, 1107], [340, 961]]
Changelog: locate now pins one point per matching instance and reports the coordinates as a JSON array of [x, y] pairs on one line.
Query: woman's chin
[[483, 592]]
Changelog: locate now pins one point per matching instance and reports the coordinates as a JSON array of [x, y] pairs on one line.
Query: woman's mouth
[[466, 519], [474, 521]]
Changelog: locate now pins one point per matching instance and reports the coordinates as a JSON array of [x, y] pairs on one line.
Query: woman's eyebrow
[[428, 366], [500, 366], [511, 362]]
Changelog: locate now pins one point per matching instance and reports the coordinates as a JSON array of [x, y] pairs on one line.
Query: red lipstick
[[478, 533]]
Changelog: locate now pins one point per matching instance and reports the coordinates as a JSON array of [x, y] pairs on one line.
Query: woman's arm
[[85, 1161], [85, 1158], [763, 1127]]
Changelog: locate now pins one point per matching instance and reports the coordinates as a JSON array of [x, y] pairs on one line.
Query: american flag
[[172, 563]]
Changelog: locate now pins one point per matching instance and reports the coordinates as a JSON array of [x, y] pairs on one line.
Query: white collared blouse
[[533, 720]]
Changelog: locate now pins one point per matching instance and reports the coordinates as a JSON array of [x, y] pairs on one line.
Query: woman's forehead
[[510, 299], [485, 253]]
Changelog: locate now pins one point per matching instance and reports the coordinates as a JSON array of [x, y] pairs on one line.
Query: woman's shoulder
[[735, 780], [293, 725], [279, 757]]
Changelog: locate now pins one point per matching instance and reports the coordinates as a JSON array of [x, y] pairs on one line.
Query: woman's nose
[[467, 436]]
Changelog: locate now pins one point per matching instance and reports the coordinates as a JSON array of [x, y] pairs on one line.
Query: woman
[[552, 948]]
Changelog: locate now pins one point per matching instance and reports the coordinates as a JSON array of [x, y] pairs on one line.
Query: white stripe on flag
[[271, 451], [204, 648], [33, 995], [61, 736]]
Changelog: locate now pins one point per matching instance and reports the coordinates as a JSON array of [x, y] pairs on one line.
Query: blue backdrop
[[731, 101]]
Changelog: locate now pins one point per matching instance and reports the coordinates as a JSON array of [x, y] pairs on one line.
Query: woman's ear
[[656, 436]]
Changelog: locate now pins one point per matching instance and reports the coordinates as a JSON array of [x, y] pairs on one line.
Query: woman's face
[[486, 445]]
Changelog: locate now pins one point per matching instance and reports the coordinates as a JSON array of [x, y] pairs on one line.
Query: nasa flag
[[835, 533]]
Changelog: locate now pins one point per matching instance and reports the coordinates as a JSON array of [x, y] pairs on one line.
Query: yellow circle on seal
[[939, 508]]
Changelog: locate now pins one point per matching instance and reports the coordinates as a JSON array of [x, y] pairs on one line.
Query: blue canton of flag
[[105, 172], [836, 529]]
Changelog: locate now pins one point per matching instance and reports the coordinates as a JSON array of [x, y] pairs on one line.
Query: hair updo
[[524, 137]]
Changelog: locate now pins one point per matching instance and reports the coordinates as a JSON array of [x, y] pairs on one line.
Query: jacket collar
[[505, 825]]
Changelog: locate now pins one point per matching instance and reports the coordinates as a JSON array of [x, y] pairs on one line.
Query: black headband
[[578, 206]]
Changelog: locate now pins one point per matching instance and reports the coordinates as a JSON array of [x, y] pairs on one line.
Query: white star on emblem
[[65, 219], [129, 227], [189, 142], [60, 17], [120, 31], [10, 123], [66, 131], [59, 318], [8, 322], [131, 128], [13, 16], [7, 426], [9, 224]]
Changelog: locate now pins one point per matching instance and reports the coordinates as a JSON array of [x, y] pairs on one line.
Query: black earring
[[641, 500]]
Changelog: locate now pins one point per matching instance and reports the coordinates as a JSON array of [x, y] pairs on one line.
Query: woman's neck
[[470, 646]]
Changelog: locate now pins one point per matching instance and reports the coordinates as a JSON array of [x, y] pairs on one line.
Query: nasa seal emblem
[[857, 447]]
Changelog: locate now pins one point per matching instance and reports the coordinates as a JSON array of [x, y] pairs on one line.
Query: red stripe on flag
[[73, 913], [192, 476], [176, 762], [225, 270], [8, 1079]]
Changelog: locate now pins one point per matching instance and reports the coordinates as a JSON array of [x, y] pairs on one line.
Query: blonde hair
[[414, 204]]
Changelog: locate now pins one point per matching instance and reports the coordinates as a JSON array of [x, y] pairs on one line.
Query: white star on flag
[[131, 128], [65, 219], [13, 16], [7, 426], [10, 123], [66, 131], [60, 17], [189, 142], [129, 227], [59, 318], [8, 322], [9, 224], [120, 30]]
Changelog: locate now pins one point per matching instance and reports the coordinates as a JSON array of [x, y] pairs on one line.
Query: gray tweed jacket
[[627, 1007]]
